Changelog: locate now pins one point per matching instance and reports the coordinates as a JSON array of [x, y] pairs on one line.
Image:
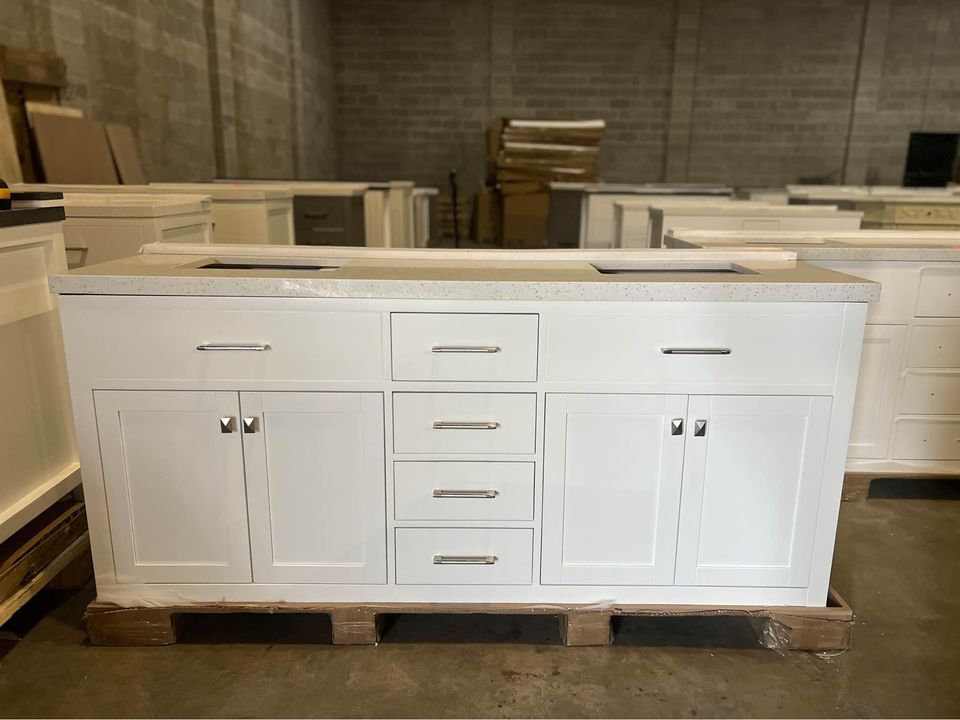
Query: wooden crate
[[782, 628], [52, 548]]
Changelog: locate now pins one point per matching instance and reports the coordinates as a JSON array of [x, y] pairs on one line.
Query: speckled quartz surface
[[694, 275], [865, 245]]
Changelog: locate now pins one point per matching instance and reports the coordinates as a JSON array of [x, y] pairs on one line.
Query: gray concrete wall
[[236, 87], [739, 91]]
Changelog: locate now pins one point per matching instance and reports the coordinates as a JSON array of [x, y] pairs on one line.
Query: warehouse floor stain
[[895, 564]]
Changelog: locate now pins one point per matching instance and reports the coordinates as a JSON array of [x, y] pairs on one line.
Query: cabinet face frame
[[561, 502], [880, 396], [138, 439]]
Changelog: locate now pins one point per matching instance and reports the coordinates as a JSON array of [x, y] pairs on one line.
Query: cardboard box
[[525, 220]]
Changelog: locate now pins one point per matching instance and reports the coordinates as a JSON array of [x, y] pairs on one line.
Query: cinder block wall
[[229, 87], [738, 91]]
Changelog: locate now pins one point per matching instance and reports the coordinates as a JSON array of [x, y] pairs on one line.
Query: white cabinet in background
[[173, 475], [751, 489], [315, 486], [875, 404], [612, 469]]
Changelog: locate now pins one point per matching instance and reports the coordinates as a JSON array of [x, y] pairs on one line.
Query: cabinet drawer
[[464, 347], [244, 342], [706, 347], [939, 293], [449, 423], [934, 347], [319, 211], [463, 490], [922, 439], [464, 556], [930, 393]]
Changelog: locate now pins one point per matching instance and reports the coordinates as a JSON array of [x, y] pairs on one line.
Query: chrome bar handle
[[485, 494], [464, 559], [253, 347], [465, 349], [458, 425], [695, 351]]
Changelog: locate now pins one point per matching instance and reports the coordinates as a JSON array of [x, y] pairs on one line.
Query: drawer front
[[245, 343], [712, 349], [464, 556], [319, 211], [939, 293], [463, 490], [930, 393], [922, 439], [464, 347], [934, 347], [451, 423]]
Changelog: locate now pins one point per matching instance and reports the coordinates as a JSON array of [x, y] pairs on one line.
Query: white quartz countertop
[[879, 245], [571, 275]]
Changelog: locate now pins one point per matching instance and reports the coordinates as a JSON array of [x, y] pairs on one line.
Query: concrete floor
[[896, 564]]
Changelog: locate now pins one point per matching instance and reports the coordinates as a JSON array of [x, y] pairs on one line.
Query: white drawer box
[[727, 350], [934, 346], [463, 490], [464, 347], [245, 343], [464, 556], [930, 393], [939, 293], [451, 423], [922, 439]]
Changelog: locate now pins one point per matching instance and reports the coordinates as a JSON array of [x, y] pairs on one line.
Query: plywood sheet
[[125, 155], [73, 150], [9, 160]]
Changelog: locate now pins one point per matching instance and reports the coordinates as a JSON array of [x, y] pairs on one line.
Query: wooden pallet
[[53, 550], [784, 628], [856, 485]]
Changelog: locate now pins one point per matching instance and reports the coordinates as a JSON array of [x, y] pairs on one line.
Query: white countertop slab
[[879, 245], [470, 275]]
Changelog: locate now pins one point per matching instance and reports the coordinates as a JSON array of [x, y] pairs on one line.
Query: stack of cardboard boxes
[[524, 156]]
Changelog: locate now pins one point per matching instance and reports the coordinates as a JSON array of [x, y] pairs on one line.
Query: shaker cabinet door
[[751, 484], [315, 486], [612, 469], [173, 474]]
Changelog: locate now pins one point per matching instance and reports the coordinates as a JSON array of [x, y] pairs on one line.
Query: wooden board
[[10, 170], [123, 145], [29, 550], [34, 107], [78, 548], [73, 150], [32, 66], [781, 628]]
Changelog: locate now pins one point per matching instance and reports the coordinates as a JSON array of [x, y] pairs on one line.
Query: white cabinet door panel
[[175, 486], [751, 483], [611, 489], [316, 487], [876, 398]]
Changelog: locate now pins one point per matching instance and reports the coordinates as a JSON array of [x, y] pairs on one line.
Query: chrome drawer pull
[[254, 347], [456, 425], [465, 494], [465, 349], [695, 351], [464, 559]]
